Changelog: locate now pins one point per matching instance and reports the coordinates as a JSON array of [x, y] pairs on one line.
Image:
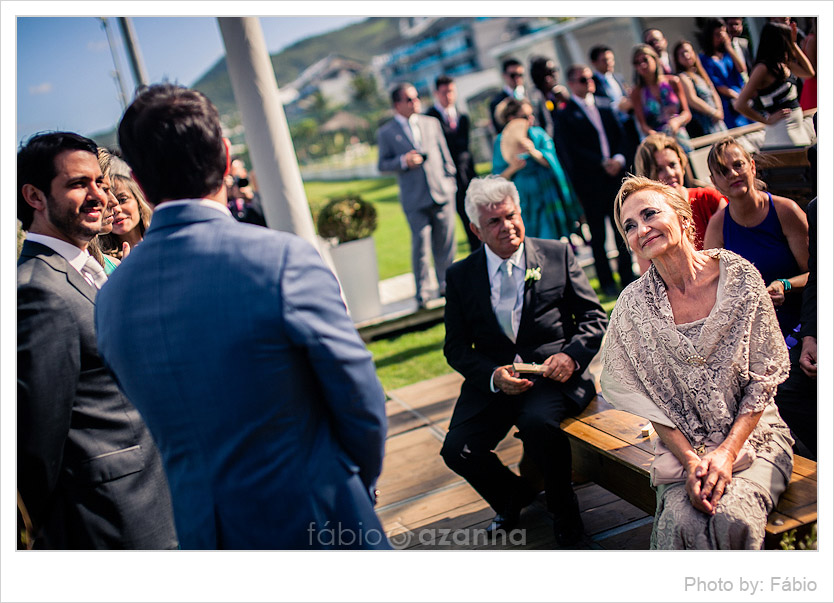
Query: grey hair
[[486, 191]]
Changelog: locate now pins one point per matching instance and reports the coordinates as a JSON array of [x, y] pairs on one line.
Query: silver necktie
[[94, 270], [506, 300]]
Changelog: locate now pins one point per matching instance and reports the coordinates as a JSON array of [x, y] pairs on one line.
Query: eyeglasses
[[516, 74], [409, 99], [582, 80]]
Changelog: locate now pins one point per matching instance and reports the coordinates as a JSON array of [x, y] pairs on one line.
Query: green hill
[[359, 41]]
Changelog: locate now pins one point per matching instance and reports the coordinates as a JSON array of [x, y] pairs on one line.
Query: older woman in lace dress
[[694, 346]]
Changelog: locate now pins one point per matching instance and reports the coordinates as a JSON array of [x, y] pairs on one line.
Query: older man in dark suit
[[593, 142], [413, 146], [455, 126], [518, 300], [88, 472]]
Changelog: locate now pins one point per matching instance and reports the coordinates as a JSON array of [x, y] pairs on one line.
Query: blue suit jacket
[[261, 455]]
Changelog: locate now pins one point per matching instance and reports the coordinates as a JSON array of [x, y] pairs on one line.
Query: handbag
[[667, 469]]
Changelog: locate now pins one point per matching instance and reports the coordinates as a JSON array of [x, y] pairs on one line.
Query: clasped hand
[[776, 290], [558, 367], [707, 478]]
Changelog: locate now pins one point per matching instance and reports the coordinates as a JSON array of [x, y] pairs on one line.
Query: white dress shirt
[[412, 130], [450, 114], [588, 105]]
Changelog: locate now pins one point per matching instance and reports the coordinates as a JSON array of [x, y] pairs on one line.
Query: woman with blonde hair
[[661, 158], [694, 346], [132, 215], [659, 100]]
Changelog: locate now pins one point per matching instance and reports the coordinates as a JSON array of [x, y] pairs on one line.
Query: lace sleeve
[[768, 360]]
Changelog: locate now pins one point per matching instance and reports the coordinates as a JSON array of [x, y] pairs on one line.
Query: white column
[[267, 133]]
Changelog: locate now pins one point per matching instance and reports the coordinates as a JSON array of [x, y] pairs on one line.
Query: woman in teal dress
[[549, 207]]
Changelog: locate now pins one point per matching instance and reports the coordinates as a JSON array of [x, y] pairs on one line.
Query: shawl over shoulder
[[650, 368]]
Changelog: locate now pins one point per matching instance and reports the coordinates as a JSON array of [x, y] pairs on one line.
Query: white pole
[[267, 133]]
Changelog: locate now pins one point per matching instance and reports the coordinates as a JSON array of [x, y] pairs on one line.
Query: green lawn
[[392, 237], [418, 355]]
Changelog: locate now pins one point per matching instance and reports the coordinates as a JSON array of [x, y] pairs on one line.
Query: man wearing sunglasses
[[592, 139], [513, 73]]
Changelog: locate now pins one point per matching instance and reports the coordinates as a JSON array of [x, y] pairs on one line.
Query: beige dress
[[699, 377]]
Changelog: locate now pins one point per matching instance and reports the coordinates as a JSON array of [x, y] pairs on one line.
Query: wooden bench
[[608, 449]]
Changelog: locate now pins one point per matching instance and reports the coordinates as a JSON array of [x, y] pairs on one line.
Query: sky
[[65, 68]]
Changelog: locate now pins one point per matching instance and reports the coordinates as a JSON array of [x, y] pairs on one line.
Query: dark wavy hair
[[775, 46], [539, 70], [36, 165], [172, 139], [706, 36]]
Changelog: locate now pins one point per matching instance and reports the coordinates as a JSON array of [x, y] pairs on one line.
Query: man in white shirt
[[595, 145], [512, 72], [89, 473], [518, 299]]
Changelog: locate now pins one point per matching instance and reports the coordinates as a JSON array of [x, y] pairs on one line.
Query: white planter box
[[358, 273]]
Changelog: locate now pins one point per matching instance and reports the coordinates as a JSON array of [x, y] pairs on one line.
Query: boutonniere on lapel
[[532, 275]]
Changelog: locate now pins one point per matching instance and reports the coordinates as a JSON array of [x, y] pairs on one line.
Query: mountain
[[359, 41]]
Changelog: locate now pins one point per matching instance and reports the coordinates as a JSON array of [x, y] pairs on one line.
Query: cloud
[[44, 88], [97, 46]]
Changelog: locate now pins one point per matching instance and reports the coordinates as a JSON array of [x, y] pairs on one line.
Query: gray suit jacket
[[87, 468], [433, 182]]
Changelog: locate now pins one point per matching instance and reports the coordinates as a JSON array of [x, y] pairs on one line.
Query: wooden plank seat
[[608, 449]]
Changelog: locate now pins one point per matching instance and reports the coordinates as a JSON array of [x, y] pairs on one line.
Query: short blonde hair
[[679, 204]]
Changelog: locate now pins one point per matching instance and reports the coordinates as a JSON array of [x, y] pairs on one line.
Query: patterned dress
[[658, 112], [700, 377], [702, 123]]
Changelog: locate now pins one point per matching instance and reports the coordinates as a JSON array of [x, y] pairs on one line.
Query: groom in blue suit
[[285, 451]]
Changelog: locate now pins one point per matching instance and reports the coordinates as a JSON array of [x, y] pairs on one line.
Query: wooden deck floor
[[424, 505]]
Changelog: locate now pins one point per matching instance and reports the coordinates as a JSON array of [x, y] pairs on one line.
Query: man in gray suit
[[413, 146], [87, 468]]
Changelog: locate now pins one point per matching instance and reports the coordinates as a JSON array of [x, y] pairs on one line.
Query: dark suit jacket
[[263, 455], [496, 100], [457, 141], [602, 99], [433, 182], [580, 145], [87, 469], [561, 313]]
